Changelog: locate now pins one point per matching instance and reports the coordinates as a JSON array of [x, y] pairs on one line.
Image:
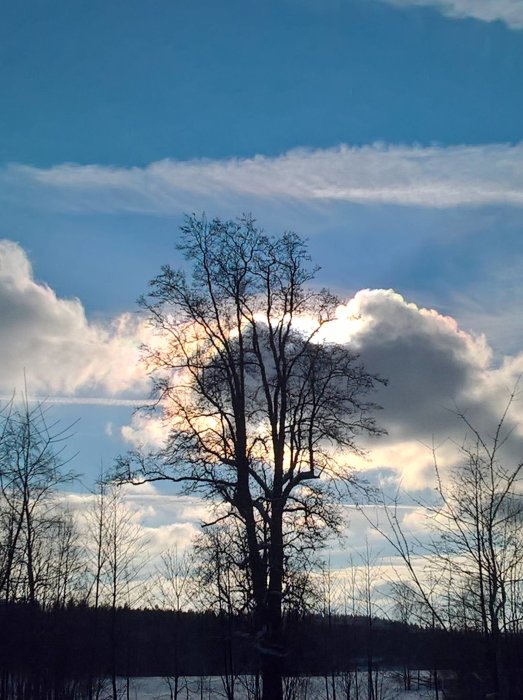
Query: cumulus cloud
[[508, 11], [434, 369], [164, 537], [429, 361], [376, 174], [432, 365], [148, 504], [52, 340], [146, 432]]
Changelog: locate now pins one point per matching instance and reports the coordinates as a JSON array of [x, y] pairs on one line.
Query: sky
[[386, 132]]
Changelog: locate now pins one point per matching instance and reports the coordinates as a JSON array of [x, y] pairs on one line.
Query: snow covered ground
[[388, 686]]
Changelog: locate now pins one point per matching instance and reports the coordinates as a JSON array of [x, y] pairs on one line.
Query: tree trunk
[[273, 647], [272, 677]]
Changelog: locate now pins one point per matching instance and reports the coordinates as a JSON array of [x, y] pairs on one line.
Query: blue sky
[[388, 132], [128, 82]]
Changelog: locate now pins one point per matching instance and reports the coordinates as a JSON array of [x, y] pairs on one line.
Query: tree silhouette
[[261, 410]]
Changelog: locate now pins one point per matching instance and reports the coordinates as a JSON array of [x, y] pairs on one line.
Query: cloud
[[52, 340], [432, 365], [434, 369], [159, 521], [146, 432], [508, 11], [415, 176], [429, 361], [84, 401], [164, 537]]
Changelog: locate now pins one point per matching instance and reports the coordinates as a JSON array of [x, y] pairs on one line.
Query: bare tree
[[329, 596], [480, 522], [62, 560], [468, 575], [261, 412], [369, 575], [221, 555], [116, 558], [32, 467], [124, 559], [39, 553], [174, 589]]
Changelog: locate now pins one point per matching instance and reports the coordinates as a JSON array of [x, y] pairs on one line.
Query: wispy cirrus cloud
[[82, 401], [508, 11], [416, 176]]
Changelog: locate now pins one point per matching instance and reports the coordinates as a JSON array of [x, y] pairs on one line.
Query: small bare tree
[[117, 557], [32, 466], [175, 590], [470, 571]]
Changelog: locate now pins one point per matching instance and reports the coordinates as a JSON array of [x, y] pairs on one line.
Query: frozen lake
[[387, 685]]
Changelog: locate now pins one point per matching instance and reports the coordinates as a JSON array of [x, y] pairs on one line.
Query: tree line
[[53, 654]]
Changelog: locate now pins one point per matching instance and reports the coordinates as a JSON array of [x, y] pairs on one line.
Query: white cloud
[[434, 368], [148, 505], [146, 432], [84, 401], [375, 174], [163, 537], [52, 340], [508, 11], [431, 363]]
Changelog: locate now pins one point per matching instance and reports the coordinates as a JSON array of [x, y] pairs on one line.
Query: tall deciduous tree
[[261, 411]]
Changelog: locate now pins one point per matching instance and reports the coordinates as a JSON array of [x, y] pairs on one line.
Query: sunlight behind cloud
[[433, 367]]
